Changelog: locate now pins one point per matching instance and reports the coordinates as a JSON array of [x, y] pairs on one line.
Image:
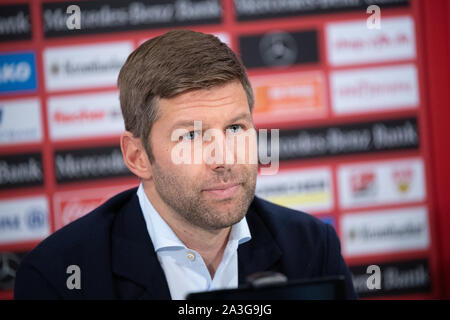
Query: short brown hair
[[171, 64]]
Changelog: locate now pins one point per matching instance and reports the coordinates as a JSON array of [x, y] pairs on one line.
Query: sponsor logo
[[397, 278], [20, 121], [363, 183], [269, 9], [352, 43], [79, 116], [9, 263], [288, 97], [279, 49], [88, 115], [84, 66], [368, 137], [374, 89], [381, 183], [23, 219], [385, 231], [24, 170], [117, 16], [74, 209], [15, 22], [72, 205], [36, 218], [403, 178], [90, 164], [17, 72], [308, 190], [10, 222]]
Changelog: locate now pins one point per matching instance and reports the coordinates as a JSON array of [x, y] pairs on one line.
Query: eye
[[191, 135], [234, 128]]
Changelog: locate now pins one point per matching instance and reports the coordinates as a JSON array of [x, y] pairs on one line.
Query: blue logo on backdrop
[[17, 72], [35, 218], [8, 223]]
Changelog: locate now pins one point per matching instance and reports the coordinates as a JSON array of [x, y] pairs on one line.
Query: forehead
[[224, 100]]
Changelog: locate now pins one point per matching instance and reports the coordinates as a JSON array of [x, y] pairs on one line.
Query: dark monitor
[[330, 288]]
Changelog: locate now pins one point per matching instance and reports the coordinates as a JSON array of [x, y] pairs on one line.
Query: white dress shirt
[[184, 268]]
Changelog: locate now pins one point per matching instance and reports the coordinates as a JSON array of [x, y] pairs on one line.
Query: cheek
[[186, 177], [162, 155], [192, 174]]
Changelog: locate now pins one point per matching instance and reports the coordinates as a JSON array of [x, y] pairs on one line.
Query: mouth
[[223, 191]]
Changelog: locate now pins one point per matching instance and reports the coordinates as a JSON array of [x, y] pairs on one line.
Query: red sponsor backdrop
[[351, 77]]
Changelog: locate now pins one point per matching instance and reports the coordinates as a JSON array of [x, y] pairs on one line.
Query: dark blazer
[[117, 260]]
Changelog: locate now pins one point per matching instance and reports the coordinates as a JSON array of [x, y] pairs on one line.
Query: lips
[[223, 191]]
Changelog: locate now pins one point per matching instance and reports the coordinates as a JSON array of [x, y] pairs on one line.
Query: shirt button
[[190, 256]]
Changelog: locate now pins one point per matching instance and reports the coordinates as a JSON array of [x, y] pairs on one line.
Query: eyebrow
[[242, 116], [187, 123]]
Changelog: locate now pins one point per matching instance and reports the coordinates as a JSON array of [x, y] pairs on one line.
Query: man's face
[[208, 195]]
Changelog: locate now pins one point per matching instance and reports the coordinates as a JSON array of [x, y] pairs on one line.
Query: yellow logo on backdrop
[[296, 200]]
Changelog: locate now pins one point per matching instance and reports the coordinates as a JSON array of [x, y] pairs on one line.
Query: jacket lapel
[[134, 259], [139, 274], [259, 254]]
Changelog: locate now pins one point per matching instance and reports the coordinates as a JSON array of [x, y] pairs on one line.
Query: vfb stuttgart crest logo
[[403, 178]]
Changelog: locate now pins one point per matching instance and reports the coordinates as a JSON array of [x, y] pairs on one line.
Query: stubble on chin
[[187, 200]]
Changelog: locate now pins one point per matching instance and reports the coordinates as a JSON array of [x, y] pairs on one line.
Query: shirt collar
[[163, 236]]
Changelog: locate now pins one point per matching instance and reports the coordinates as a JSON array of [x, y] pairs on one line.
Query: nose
[[223, 150], [218, 151]]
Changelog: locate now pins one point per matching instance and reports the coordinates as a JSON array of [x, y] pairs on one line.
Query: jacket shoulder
[[305, 240], [299, 235], [285, 221], [86, 231], [85, 243]]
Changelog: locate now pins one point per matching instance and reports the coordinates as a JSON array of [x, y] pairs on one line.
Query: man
[[191, 225]]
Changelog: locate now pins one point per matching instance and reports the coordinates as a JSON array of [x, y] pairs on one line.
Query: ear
[[134, 155]]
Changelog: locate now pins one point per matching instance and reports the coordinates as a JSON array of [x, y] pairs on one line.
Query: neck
[[210, 244]]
